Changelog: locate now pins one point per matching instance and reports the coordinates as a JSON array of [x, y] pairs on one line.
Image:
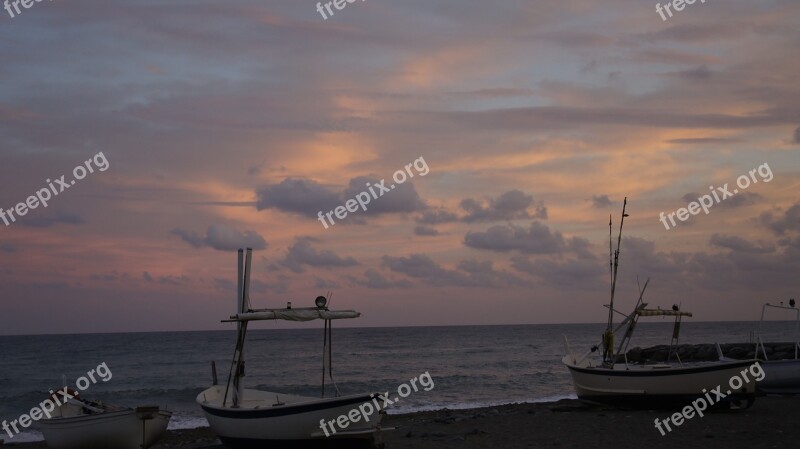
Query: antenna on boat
[[608, 336], [631, 320], [676, 333], [610, 259], [244, 305], [639, 286]]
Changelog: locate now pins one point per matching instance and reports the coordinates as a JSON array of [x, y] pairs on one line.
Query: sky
[[210, 126]]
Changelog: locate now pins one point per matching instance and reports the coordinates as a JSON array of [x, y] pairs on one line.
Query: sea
[[470, 366]]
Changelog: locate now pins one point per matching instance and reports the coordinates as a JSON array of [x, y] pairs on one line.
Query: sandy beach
[[770, 423]]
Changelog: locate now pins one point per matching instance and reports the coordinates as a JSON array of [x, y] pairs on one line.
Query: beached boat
[[253, 418], [82, 424], [615, 381], [781, 376]]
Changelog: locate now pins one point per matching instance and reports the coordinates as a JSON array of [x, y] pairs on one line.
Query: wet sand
[[772, 422]]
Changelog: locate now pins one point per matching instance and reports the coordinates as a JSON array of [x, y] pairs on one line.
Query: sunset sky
[[230, 124]]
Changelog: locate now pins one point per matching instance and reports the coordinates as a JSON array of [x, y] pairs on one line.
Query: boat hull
[[260, 421], [780, 377], [118, 430], [661, 387]]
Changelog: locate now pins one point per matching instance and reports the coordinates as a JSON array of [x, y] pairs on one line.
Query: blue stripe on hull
[[661, 372], [283, 411]]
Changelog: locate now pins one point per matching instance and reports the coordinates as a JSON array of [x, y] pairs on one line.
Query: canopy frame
[[245, 313]]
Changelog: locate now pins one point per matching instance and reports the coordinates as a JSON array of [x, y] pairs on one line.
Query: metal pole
[[324, 346]]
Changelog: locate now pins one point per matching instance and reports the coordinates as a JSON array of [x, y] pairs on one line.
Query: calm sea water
[[470, 365]]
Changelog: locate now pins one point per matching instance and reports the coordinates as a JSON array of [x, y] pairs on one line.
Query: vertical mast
[[239, 279], [616, 258], [242, 306], [611, 274], [608, 337]]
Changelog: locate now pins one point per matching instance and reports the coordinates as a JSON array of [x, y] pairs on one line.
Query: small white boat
[[276, 417], [662, 384], [81, 424], [253, 418], [781, 376]]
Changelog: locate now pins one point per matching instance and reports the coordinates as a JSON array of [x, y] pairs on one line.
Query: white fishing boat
[[253, 418], [80, 424], [781, 376], [618, 382]]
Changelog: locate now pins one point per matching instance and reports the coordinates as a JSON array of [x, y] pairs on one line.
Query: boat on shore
[[639, 385], [615, 381], [243, 417], [781, 376], [81, 424]]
